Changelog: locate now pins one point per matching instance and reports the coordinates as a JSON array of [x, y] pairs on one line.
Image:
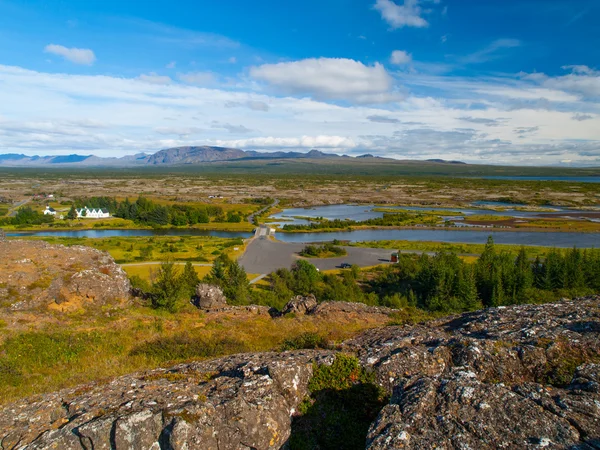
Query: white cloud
[[469, 119], [382, 119], [398, 16], [184, 131], [199, 78], [400, 57], [233, 129], [154, 78], [232, 60], [329, 78], [83, 56], [581, 69], [492, 51], [254, 105], [171, 65], [304, 142]]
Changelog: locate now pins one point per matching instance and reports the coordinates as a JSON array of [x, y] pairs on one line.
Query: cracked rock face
[[517, 377], [238, 402]]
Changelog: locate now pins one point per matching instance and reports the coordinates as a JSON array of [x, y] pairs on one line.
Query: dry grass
[[84, 349]]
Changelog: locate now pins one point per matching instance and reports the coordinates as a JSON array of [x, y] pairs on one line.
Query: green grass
[[82, 348], [200, 249], [425, 246]]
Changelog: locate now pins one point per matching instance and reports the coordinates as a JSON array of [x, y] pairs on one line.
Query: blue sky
[[495, 81]]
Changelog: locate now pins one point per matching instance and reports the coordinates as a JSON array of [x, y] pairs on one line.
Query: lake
[[549, 239], [571, 179], [364, 212]]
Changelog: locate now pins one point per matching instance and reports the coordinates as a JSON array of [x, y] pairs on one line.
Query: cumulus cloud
[[398, 16], [581, 117], [400, 57], [154, 78], [182, 131], [329, 79], [233, 129], [83, 56], [482, 121], [111, 116], [199, 78], [254, 105], [382, 119], [304, 142]]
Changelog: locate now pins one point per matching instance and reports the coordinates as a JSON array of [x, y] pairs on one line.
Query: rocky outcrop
[[209, 297], [348, 308], [240, 402], [37, 275], [300, 305], [509, 377]]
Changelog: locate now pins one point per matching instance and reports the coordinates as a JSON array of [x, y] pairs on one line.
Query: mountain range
[[170, 156]]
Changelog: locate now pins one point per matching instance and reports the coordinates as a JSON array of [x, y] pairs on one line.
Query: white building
[[94, 213], [49, 211]]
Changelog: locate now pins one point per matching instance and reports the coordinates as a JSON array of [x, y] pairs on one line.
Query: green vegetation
[[460, 249], [327, 250], [396, 219], [126, 250], [231, 278], [26, 216], [445, 283], [147, 212], [343, 402], [77, 349]]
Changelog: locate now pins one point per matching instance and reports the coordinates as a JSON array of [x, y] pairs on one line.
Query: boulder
[[209, 297], [300, 305]]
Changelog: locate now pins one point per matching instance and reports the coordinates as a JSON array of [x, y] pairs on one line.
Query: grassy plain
[[310, 182], [78, 349]]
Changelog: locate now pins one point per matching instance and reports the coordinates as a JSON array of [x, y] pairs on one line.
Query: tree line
[[446, 283], [440, 283]]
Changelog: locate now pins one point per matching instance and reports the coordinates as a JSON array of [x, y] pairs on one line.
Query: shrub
[[343, 402]]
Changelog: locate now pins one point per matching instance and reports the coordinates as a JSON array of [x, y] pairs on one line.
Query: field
[[85, 349], [198, 249], [304, 183]]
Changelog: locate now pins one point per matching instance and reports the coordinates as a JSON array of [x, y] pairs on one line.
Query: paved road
[[14, 208], [264, 256], [260, 211]]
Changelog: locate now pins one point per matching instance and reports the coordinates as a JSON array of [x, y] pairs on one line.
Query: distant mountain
[[195, 155], [189, 155], [443, 161]]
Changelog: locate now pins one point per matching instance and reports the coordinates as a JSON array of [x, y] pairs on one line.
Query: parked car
[[345, 265]]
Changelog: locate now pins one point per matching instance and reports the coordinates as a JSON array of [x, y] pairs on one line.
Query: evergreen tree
[[72, 214], [167, 288], [189, 280], [486, 267], [524, 276]]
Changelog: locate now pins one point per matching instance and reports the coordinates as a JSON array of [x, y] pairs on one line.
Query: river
[[547, 239]]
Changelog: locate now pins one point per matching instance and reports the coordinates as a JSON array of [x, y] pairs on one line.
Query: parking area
[[264, 255]]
